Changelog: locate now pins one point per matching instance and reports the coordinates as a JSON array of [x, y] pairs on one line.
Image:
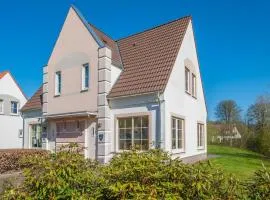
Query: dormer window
[[58, 83], [85, 76]]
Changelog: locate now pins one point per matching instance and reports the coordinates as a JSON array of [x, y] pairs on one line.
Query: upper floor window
[[187, 80], [14, 107], [177, 133], [133, 132], [200, 135], [194, 86], [1, 106], [58, 83], [85, 76]]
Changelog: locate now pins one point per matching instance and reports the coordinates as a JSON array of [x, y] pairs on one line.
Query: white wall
[[10, 125], [177, 101], [115, 72]]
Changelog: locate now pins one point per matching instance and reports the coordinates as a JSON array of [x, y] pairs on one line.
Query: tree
[[228, 112], [258, 113]]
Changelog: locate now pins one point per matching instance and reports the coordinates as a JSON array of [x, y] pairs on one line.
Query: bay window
[[133, 132]]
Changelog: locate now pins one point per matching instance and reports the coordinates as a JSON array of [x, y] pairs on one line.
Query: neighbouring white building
[[11, 123], [143, 91]]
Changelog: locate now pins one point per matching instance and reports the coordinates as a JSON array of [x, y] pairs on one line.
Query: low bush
[[10, 158], [259, 186], [131, 175]]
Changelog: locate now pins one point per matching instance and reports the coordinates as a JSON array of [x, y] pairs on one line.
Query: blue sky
[[233, 38]]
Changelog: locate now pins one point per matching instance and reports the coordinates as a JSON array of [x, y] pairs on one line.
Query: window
[[187, 78], [36, 141], [194, 86], [58, 83], [1, 106], [133, 132], [200, 135], [85, 77], [177, 133], [14, 107]]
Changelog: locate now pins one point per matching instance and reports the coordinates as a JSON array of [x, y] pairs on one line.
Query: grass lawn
[[240, 162]]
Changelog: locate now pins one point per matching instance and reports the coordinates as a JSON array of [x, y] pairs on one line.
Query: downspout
[[23, 132], [159, 122]]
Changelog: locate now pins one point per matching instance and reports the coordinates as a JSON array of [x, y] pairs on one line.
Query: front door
[[35, 131]]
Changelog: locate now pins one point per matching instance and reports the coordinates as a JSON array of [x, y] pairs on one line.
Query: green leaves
[[131, 175]]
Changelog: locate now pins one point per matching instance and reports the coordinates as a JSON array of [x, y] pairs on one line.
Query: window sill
[[194, 97], [14, 114], [200, 148], [84, 90], [57, 95], [187, 92], [178, 151]]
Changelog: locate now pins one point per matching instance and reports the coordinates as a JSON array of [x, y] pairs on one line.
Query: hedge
[[132, 175], [10, 158]]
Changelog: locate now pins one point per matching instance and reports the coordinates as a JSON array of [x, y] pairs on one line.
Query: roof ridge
[[152, 28]]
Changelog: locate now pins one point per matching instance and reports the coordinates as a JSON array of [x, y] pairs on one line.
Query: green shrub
[[10, 158], [131, 175], [259, 186], [154, 175]]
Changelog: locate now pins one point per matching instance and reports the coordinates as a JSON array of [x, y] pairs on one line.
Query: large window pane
[[137, 133], [133, 131], [145, 121], [145, 133], [137, 122]]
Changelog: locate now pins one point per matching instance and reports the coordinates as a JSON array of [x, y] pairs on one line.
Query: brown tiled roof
[[148, 58], [35, 103], [109, 42], [2, 74]]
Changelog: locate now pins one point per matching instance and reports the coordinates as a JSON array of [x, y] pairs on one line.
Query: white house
[[11, 123], [143, 91]]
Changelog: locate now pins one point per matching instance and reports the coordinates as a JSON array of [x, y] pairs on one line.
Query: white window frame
[[177, 129], [58, 83], [30, 135], [200, 135], [194, 85], [122, 116], [83, 77], [187, 80], [1, 106], [12, 108]]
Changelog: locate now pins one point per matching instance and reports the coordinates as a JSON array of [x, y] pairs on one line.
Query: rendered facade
[[143, 91], [11, 122]]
